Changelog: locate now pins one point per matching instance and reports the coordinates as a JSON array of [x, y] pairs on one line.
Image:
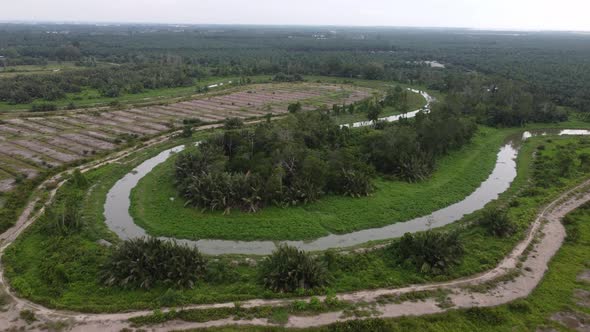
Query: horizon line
[[72, 22]]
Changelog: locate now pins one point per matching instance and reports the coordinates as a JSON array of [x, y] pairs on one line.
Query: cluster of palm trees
[[293, 162], [145, 263], [429, 252]]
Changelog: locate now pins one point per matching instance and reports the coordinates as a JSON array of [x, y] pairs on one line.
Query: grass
[[51, 67], [458, 174], [62, 272], [91, 97]]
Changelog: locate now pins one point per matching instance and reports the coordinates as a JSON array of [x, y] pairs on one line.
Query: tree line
[[110, 82]]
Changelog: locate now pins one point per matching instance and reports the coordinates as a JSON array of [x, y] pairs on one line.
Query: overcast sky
[[495, 14]]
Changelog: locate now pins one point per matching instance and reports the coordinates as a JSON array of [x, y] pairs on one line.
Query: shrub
[[65, 218], [497, 223], [78, 179], [430, 252], [233, 123], [187, 131], [146, 262], [356, 183], [28, 316], [43, 108], [289, 269], [294, 107], [193, 122], [572, 228], [489, 316]]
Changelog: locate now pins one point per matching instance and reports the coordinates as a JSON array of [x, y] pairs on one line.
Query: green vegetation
[[145, 263], [67, 274], [276, 182], [429, 252], [559, 292], [275, 314], [497, 223], [284, 164], [157, 207], [304, 157], [89, 97], [289, 269]]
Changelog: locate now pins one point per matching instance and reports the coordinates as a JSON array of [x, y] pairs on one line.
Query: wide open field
[[31, 143]]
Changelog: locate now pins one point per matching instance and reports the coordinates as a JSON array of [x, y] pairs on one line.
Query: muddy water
[[120, 221], [393, 118]]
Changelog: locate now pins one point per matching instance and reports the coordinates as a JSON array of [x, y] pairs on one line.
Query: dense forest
[[554, 65]]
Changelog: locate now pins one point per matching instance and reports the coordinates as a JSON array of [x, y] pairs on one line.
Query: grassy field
[[91, 98], [62, 272], [51, 68], [458, 174]]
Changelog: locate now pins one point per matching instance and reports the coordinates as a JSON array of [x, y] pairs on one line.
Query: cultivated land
[[31, 143]]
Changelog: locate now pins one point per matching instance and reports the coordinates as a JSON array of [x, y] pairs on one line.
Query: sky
[[479, 14]]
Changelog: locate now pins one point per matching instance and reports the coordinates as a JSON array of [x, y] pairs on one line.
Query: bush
[[294, 107], [65, 218], [497, 223], [289, 269], [144, 263], [193, 122], [430, 252], [187, 131], [355, 183], [233, 123], [43, 108], [79, 180]]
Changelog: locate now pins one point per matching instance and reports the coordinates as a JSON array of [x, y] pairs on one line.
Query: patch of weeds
[[56, 326], [412, 296], [280, 316], [275, 315], [443, 300], [4, 300], [28, 316], [520, 307], [484, 315], [491, 284]]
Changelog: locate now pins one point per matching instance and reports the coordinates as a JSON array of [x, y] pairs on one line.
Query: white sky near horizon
[[482, 14]]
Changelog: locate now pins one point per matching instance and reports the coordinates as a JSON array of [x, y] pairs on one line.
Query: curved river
[[118, 219]]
